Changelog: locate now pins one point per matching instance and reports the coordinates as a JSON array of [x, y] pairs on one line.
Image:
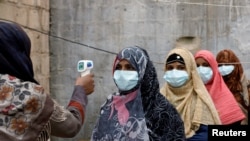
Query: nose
[[123, 68]]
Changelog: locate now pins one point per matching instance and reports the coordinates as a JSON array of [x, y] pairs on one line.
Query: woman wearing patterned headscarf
[[185, 90], [27, 113], [137, 111], [227, 107], [235, 79]]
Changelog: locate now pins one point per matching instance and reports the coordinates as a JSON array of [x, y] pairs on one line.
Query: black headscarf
[[151, 116], [15, 49]]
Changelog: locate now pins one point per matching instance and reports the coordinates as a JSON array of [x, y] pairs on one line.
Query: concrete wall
[[98, 29], [33, 15]]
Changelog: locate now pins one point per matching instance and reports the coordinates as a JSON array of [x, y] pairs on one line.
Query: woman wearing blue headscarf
[[137, 111]]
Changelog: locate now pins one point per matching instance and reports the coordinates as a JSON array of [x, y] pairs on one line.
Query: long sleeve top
[[27, 113]]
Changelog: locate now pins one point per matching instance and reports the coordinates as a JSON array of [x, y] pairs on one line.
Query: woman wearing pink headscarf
[[226, 105]]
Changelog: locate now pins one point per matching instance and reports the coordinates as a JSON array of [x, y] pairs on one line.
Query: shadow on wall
[[192, 43]]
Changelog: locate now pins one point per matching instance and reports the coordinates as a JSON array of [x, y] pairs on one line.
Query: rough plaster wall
[[33, 16], [110, 25]]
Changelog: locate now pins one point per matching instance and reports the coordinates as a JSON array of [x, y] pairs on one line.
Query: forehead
[[200, 60], [175, 64], [123, 62]]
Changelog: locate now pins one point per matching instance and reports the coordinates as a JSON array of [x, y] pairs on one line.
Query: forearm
[[66, 128], [71, 117], [78, 103]]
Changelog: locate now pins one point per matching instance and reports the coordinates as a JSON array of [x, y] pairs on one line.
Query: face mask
[[126, 80], [226, 69], [176, 78], [205, 73]]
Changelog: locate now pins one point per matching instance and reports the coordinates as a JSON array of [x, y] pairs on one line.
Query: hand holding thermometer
[[84, 67]]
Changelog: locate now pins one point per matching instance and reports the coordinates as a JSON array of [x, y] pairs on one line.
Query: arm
[[73, 116], [201, 134]]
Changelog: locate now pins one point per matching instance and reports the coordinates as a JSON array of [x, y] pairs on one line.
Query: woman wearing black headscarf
[[138, 111], [27, 113]]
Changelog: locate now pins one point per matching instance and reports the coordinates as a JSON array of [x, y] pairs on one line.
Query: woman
[[27, 113], [137, 111], [185, 90], [227, 107], [235, 79]]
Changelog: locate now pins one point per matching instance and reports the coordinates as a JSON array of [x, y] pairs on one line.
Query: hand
[[87, 82]]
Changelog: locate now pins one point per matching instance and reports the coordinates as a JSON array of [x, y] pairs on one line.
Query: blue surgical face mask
[[205, 73], [176, 78], [226, 69], [125, 80]]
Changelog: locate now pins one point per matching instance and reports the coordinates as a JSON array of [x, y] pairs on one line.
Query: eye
[[202, 64], [118, 67], [205, 65], [181, 67], [129, 67], [169, 67]]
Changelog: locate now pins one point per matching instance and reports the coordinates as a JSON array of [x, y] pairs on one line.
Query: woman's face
[[201, 62], [124, 65], [175, 65]]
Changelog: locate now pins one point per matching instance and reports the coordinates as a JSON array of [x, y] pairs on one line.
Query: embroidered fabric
[[24, 110], [59, 114]]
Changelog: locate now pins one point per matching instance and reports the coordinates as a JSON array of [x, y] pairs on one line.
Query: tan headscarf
[[192, 100]]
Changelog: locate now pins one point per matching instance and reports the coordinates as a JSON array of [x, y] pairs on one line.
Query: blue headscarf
[[151, 116], [15, 48]]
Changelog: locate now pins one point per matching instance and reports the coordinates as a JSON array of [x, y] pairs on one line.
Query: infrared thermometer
[[84, 66]]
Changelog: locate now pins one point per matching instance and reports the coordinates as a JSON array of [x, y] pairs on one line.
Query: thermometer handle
[[85, 72]]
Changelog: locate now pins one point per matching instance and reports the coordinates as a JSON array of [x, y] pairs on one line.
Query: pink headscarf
[[225, 103]]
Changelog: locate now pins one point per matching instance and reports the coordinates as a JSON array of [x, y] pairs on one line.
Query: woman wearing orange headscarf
[[235, 79]]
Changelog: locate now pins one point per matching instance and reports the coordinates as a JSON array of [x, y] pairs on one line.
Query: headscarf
[[25, 109], [150, 115], [236, 81], [192, 100], [15, 52], [225, 103]]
